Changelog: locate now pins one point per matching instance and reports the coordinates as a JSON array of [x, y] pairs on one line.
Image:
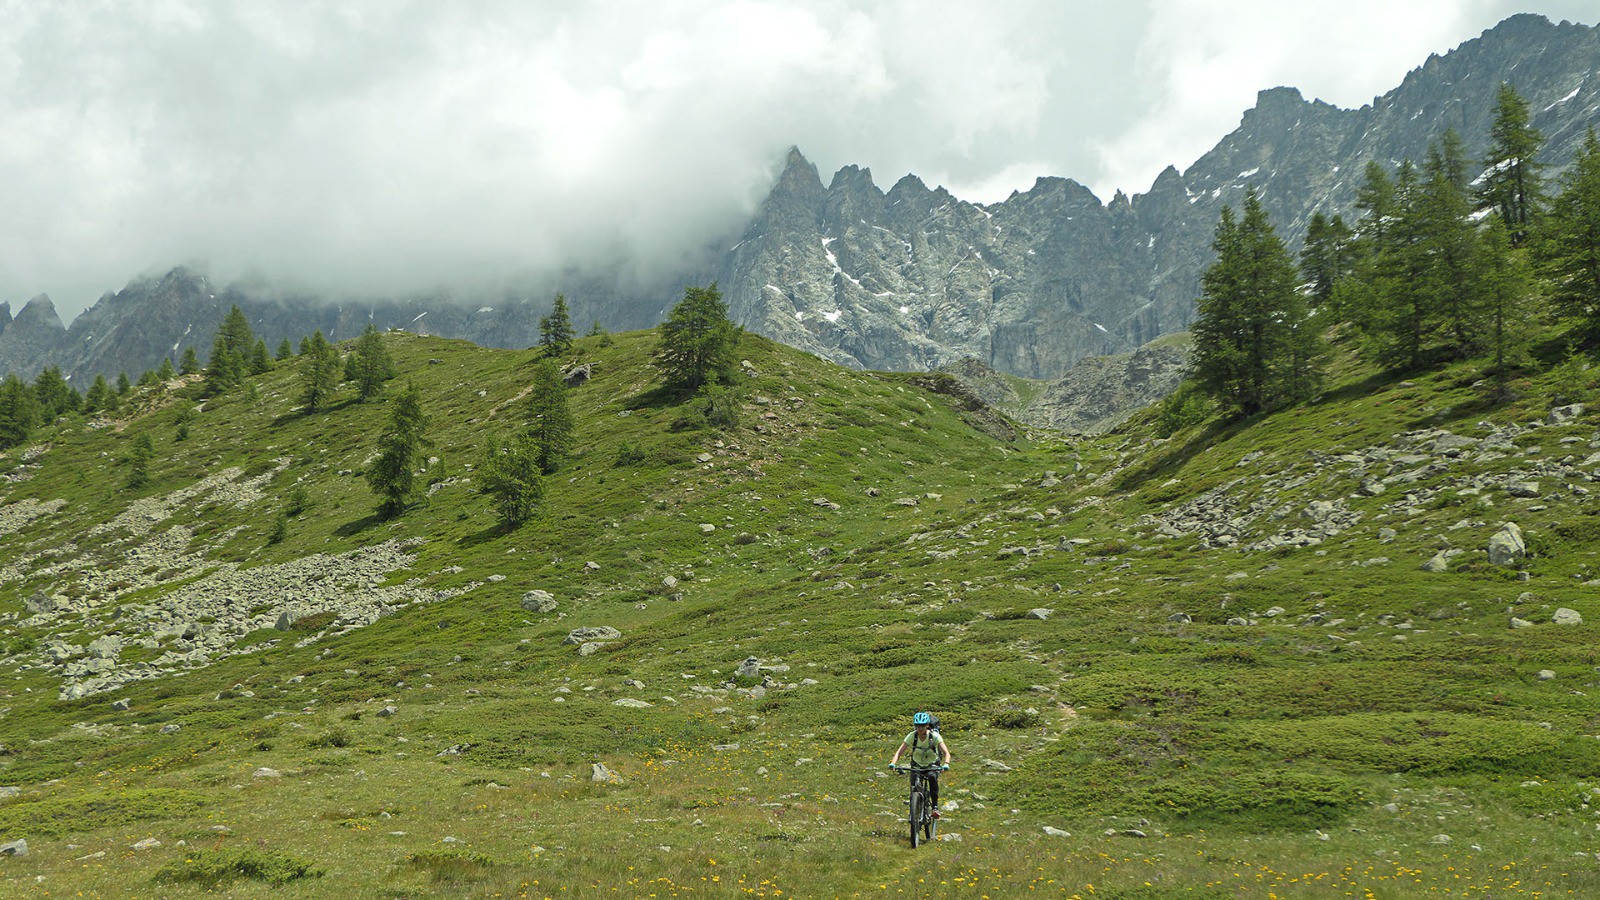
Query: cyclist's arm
[[896, 757], [944, 747]]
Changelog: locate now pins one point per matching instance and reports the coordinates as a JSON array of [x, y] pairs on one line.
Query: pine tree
[[555, 330], [550, 423], [1569, 252], [19, 411], [54, 396], [100, 397], [285, 350], [166, 372], [260, 359], [224, 369], [231, 352], [1512, 180], [1448, 243], [1326, 257], [319, 373], [1506, 286], [697, 342], [400, 447], [370, 364], [189, 364], [124, 386], [509, 476], [1255, 348], [138, 461]]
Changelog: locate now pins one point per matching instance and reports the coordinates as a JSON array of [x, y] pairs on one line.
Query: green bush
[[452, 865], [216, 867]]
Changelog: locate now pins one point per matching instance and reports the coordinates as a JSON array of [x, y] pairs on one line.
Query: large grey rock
[[592, 633], [1565, 616], [1563, 415], [17, 847], [537, 601], [750, 668], [600, 773], [1506, 547]]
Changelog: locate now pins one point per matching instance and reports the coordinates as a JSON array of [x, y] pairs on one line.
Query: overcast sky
[[396, 146]]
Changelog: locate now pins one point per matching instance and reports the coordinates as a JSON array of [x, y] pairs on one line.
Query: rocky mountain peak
[[799, 177], [40, 312], [5, 316]]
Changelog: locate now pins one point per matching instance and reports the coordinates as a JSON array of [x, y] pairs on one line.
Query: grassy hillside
[[1215, 660]]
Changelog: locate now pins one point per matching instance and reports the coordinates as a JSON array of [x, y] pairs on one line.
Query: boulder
[[600, 774], [1056, 832], [1524, 489], [1507, 547], [40, 602], [17, 847], [631, 703], [750, 668], [592, 633], [538, 602], [1520, 623], [1547, 675], [1564, 616], [1564, 415], [1040, 613]]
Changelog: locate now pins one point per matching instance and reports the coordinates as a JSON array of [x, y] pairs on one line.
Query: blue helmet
[[922, 718]]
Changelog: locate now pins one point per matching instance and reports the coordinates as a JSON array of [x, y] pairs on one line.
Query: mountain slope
[[1224, 642]]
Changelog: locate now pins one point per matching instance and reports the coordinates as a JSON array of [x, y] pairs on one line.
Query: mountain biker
[[926, 745]]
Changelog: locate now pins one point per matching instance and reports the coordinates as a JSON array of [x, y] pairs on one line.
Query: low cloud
[[391, 147]]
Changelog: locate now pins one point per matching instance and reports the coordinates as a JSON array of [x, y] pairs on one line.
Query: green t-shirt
[[925, 752]]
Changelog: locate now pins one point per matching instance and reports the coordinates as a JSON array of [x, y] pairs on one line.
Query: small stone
[[1524, 489], [1180, 618], [1392, 808], [707, 527], [387, 711], [17, 847], [1440, 839], [1520, 623], [1056, 832], [1041, 613], [122, 705], [632, 703], [1546, 675], [265, 772], [600, 774], [147, 844], [171, 729]]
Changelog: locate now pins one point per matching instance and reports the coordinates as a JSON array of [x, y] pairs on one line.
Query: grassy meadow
[[1363, 728]]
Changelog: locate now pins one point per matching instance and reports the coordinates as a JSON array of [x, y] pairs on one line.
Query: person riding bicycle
[[926, 745]]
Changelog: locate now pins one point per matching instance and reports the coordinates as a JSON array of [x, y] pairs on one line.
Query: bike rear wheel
[[915, 818]]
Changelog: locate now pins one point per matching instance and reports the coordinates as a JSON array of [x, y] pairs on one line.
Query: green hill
[[1215, 659]]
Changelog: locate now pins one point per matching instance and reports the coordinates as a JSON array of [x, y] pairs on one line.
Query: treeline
[[1450, 259], [696, 352], [236, 353]]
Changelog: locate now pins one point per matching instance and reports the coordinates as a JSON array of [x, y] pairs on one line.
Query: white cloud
[[396, 145]]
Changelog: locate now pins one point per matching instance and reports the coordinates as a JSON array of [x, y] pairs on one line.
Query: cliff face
[[914, 278]]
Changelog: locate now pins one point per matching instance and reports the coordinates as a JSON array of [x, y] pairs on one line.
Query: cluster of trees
[[1442, 265]]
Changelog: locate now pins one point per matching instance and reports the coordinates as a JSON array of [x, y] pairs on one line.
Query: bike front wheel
[[916, 818]]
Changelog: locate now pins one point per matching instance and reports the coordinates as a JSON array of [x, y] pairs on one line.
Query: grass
[[1317, 752]]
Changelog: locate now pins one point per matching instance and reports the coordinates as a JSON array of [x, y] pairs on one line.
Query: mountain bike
[[919, 815]]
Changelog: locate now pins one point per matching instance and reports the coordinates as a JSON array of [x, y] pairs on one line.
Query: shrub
[[452, 865], [216, 867]]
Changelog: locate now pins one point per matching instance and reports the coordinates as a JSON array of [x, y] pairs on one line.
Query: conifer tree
[[1569, 252], [55, 397], [697, 342], [509, 476], [166, 372], [260, 359], [124, 386], [369, 364], [555, 330], [1512, 179], [1255, 348], [1448, 247], [189, 364], [224, 368], [231, 352], [550, 423], [19, 411], [100, 398], [400, 447], [138, 461], [1506, 286], [285, 350], [1326, 256], [319, 373]]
